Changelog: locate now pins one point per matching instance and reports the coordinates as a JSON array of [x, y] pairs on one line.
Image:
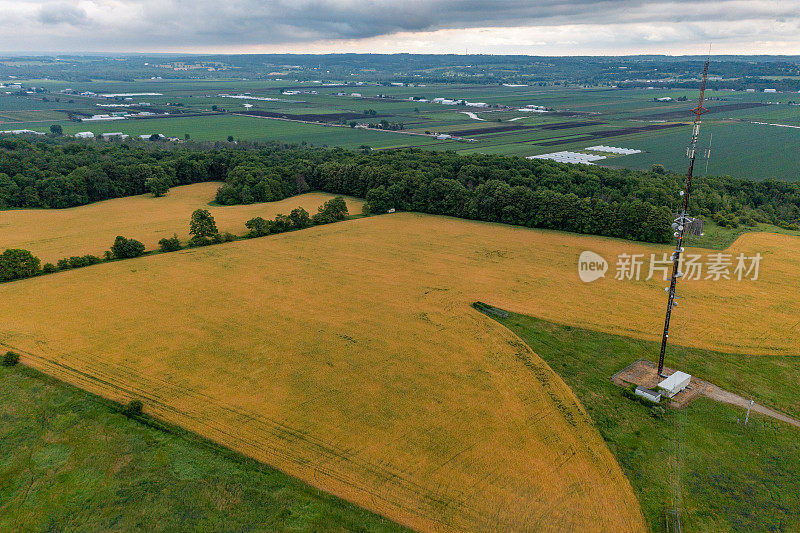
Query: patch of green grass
[[718, 238], [733, 477], [71, 461]]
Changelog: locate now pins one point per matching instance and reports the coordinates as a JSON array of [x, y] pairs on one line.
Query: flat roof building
[[651, 395], [675, 383]]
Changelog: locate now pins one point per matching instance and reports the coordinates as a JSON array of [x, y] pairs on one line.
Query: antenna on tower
[[683, 220]]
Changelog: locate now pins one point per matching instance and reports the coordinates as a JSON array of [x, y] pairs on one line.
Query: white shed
[[651, 395], [85, 135], [675, 383]]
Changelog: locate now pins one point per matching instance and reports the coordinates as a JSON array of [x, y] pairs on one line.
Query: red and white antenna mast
[[683, 220]]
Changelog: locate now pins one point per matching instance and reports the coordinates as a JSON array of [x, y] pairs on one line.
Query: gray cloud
[[62, 14], [173, 24], [302, 20]]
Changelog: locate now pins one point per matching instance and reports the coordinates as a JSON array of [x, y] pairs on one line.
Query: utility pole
[[747, 418], [683, 219]]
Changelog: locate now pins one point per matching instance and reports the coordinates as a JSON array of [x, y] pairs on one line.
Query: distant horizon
[[548, 28], [45, 53]]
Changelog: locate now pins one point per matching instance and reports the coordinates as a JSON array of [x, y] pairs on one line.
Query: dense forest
[[59, 173]]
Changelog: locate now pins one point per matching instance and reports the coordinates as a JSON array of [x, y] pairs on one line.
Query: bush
[[126, 248], [299, 218], [196, 241], [18, 264], [658, 412], [78, 261], [333, 210], [133, 409], [282, 223], [223, 237], [172, 244], [258, 227], [10, 359], [49, 268]]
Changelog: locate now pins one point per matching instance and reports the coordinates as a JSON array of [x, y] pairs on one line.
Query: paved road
[[721, 395]]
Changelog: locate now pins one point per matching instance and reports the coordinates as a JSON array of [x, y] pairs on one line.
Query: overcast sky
[[538, 27]]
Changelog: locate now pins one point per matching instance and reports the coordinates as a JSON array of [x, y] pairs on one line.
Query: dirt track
[[721, 395]]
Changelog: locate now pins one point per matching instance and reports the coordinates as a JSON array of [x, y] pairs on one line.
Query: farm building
[[675, 383], [114, 135], [569, 157], [613, 150], [84, 135], [21, 132], [651, 395], [95, 118]]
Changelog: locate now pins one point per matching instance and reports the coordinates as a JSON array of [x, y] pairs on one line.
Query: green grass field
[[583, 117], [218, 127], [733, 477], [716, 237], [69, 461]]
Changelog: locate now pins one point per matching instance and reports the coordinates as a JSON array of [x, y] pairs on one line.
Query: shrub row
[[19, 264]]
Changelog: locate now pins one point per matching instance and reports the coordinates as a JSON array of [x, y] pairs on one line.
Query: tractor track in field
[[321, 456]]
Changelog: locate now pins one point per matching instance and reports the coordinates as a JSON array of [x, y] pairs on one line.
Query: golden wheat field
[[348, 355], [90, 229]]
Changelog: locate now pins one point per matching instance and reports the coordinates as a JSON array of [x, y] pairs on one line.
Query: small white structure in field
[[569, 157], [85, 135], [613, 150], [675, 383], [21, 132], [651, 395]]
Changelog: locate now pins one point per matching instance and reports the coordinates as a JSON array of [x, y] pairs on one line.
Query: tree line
[[20, 264], [630, 204]]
